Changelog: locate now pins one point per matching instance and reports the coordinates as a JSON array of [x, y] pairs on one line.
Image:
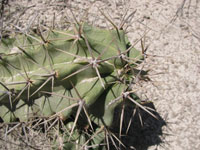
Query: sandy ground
[[173, 40]]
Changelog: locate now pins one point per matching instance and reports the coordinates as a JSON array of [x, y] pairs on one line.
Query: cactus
[[78, 76]]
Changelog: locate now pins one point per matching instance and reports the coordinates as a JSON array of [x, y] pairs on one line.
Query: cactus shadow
[[140, 137]]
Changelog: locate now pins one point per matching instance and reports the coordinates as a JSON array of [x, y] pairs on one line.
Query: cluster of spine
[[79, 76]]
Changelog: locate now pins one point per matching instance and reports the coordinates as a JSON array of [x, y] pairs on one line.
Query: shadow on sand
[[144, 131]]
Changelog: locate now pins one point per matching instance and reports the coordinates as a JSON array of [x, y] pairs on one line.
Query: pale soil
[[174, 46]]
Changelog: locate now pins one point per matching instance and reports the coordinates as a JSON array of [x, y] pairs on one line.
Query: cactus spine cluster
[[78, 76]]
